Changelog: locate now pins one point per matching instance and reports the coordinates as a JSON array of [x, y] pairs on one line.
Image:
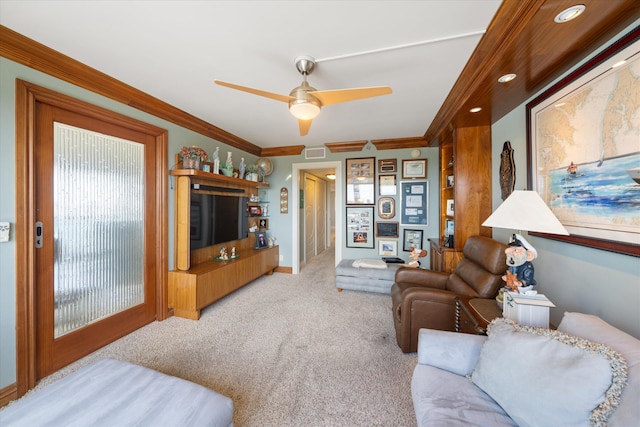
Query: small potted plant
[[192, 156], [252, 172]]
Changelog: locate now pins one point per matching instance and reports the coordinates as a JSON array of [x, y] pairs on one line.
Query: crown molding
[[28, 52], [345, 147], [293, 150]]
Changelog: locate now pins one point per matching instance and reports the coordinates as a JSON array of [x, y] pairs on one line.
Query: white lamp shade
[[525, 210]]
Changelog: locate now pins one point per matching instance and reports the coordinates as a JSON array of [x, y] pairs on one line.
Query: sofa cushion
[[539, 374], [450, 351], [443, 399], [595, 329]]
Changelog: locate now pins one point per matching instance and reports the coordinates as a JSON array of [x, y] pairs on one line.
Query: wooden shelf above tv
[[202, 177]]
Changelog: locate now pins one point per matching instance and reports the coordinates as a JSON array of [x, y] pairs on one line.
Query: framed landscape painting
[[584, 150]]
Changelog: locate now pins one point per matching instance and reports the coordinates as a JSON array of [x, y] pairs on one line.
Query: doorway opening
[[299, 170]]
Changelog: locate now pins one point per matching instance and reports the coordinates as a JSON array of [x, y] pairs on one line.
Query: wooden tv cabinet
[[198, 278], [192, 290]]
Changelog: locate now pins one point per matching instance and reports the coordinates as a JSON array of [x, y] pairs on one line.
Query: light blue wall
[[9, 72], [280, 225], [575, 278]]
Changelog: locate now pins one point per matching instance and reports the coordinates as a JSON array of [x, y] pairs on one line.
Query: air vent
[[315, 153]]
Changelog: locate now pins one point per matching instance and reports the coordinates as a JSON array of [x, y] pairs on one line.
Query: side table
[[474, 314]]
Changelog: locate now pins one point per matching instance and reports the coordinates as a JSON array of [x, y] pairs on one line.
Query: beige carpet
[[289, 350]]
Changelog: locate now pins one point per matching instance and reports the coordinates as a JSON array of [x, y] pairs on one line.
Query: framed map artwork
[[584, 149]]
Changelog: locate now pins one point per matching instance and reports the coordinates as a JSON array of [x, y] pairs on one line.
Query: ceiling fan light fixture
[[304, 109]]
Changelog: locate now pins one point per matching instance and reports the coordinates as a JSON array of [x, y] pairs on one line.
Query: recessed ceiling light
[[619, 63], [507, 78], [331, 176], [570, 13], [475, 109]]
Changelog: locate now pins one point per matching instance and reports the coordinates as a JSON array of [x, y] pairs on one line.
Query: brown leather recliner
[[427, 299]]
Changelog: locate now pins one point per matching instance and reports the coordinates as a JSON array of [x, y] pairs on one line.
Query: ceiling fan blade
[[328, 97], [276, 96], [304, 126]]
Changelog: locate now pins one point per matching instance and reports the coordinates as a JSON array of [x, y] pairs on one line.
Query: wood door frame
[[27, 96]]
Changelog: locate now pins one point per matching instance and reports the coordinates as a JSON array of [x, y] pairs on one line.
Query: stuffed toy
[[414, 254], [520, 269]]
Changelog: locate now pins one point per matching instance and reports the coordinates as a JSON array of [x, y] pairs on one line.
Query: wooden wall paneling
[[472, 151]]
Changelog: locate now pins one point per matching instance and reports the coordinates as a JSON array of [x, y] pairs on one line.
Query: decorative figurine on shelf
[[233, 252], [254, 226], [272, 241], [227, 167], [241, 168], [520, 271], [265, 210], [223, 253], [414, 254], [216, 161]]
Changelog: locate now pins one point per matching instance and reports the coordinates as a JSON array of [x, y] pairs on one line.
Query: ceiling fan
[[305, 101]]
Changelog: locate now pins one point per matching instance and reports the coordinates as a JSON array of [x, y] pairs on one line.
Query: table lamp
[[525, 211]]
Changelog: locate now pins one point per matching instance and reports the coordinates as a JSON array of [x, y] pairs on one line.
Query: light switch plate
[[4, 231]]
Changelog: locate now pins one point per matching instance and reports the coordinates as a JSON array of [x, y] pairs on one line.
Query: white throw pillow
[[369, 263], [543, 377], [593, 328]]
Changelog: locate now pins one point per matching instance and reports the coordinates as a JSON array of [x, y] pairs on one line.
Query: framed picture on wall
[[387, 165], [414, 168], [361, 181], [387, 185], [386, 207], [359, 224], [414, 196], [387, 247], [412, 239], [583, 160], [387, 229]]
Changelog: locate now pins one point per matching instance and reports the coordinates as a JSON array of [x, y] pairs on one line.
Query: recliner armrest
[[451, 351], [421, 277]]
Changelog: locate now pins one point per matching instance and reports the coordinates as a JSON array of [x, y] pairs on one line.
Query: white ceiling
[[173, 50]]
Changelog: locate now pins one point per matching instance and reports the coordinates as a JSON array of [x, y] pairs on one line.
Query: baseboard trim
[[286, 270], [8, 394]]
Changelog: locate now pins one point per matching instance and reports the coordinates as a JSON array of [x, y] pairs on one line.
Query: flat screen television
[[217, 219]]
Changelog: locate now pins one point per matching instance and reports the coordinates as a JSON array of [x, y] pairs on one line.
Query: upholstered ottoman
[[370, 275], [111, 392]]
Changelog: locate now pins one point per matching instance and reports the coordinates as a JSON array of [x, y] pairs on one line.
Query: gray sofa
[[528, 376]]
